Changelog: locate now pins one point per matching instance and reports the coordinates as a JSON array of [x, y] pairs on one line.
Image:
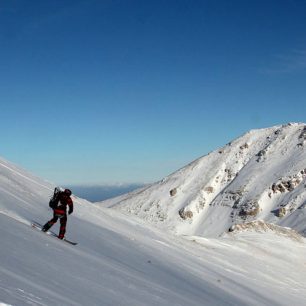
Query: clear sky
[[105, 91]]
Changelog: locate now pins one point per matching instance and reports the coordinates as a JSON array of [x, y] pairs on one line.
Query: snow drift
[[260, 175]]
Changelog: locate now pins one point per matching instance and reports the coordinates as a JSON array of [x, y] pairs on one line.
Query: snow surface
[[123, 260]]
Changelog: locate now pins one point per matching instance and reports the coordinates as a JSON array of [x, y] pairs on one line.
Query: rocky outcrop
[[188, 214], [250, 208], [173, 192], [288, 184], [262, 227]]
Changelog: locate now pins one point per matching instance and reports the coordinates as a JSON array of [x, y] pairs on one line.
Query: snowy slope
[[124, 261], [260, 175]]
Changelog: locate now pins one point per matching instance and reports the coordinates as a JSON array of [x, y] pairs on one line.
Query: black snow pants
[[63, 221]]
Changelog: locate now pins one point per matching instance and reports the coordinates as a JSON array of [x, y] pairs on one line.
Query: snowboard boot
[[46, 227]]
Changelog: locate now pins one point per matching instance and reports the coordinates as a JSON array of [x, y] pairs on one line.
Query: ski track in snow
[[29, 298]]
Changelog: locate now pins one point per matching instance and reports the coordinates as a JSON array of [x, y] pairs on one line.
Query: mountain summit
[[260, 175]]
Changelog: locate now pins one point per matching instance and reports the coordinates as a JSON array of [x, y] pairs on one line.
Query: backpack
[[55, 198]]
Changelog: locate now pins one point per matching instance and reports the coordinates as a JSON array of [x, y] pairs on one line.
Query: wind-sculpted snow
[[263, 227], [260, 175], [124, 261]]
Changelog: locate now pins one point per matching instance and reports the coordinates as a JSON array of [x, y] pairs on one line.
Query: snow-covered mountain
[[260, 175], [121, 260]]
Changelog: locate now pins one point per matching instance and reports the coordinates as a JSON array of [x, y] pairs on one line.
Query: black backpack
[[55, 198]]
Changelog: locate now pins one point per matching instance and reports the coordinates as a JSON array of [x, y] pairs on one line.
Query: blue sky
[[96, 92]]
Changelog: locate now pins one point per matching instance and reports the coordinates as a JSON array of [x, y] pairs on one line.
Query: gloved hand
[[70, 210]]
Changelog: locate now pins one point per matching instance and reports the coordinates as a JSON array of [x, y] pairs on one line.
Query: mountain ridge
[[259, 175]]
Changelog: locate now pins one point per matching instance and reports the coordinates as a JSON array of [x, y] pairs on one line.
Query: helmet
[[67, 192]]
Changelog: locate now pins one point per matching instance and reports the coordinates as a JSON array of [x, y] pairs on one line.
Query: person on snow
[[60, 212]]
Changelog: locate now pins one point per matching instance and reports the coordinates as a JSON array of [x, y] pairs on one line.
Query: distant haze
[[102, 192]]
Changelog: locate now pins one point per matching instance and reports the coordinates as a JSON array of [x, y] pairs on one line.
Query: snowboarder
[[60, 212]]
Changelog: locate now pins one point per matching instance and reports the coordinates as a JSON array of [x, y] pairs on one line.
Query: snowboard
[[39, 227]]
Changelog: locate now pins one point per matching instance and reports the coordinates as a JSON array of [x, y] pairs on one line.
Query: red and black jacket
[[61, 208]]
